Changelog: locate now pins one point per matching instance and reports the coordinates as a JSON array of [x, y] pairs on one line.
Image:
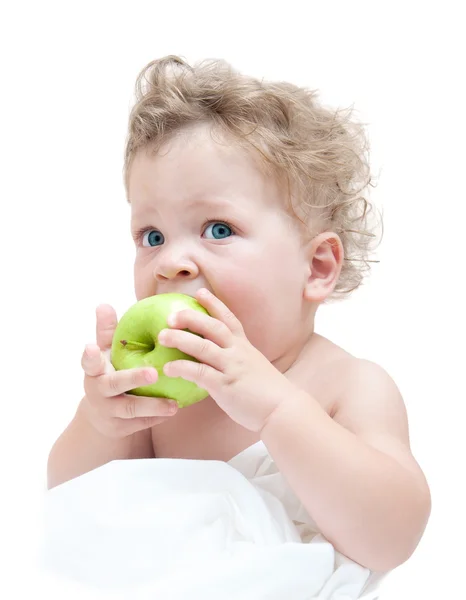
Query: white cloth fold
[[177, 529]]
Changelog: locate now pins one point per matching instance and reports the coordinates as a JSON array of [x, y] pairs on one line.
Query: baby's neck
[[300, 348]]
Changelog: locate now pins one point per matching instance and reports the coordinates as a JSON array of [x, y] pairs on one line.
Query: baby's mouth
[[191, 293]]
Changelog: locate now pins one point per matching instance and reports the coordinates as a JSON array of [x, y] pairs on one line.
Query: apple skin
[[135, 344]]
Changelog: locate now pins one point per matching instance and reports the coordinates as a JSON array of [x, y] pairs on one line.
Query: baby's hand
[[241, 380], [108, 408]]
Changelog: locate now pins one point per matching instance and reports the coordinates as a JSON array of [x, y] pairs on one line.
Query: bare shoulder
[[369, 394], [371, 405]]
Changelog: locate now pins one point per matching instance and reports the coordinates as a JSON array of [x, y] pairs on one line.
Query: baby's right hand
[[106, 405]]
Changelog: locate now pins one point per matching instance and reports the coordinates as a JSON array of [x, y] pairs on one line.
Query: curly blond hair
[[321, 154]]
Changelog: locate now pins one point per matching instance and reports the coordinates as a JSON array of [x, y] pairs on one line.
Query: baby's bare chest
[[204, 431]]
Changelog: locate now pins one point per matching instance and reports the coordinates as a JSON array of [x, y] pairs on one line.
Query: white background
[[67, 77]]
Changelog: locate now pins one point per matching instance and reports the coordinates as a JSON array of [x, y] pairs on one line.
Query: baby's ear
[[325, 262]]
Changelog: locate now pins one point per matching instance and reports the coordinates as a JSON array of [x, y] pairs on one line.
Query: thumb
[[106, 322]]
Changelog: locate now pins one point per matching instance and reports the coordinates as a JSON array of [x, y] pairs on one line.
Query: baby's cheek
[[143, 281], [252, 305], [240, 291]]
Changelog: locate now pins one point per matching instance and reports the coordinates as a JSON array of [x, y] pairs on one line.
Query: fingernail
[[171, 319], [162, 336], [173, 406], [150, 376]]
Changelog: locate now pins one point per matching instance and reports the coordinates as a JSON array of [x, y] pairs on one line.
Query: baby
[[249, 196]]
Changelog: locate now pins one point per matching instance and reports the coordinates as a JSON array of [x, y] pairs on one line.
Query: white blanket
[[176, 529]]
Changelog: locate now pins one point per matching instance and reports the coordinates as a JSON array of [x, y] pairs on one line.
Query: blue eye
[[218, 231], [152, 238]]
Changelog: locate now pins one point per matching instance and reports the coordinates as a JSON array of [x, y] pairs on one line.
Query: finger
[[93, 361], [217, 309], [200, 348], [119, 382], [202, 324], [204, 376], [106, 322], [137, 407]]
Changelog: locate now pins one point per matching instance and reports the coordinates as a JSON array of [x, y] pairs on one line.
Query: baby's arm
[[81, 448], [109, 423], [355, 473]]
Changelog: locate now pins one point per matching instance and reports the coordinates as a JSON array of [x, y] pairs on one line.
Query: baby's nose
[[171, 269]]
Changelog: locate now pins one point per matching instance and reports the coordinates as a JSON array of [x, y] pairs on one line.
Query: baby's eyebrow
[[141, 219], [203, 202], [198, 204]]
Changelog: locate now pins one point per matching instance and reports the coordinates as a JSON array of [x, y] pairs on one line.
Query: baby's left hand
[[237, 376]]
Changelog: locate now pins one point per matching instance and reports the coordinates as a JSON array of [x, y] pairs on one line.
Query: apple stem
[[135, 345]]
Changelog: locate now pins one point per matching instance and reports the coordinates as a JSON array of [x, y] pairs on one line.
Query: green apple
[[135, 344]]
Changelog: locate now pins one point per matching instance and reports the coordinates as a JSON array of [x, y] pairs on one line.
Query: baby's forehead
[[191, 205], [237, 210], [198, 173]]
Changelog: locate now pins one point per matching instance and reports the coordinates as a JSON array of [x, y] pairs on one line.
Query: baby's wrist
[[282, 406]]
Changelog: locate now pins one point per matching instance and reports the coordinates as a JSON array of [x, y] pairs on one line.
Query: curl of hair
[[321, 154]]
